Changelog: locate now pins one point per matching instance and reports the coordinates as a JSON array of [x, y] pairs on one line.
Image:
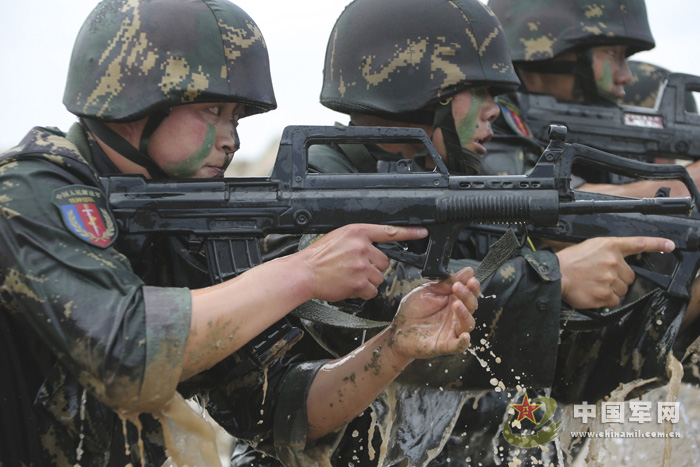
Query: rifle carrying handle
[[613, 163], [637, 169]]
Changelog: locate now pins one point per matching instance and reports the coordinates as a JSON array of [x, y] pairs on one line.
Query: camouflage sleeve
[[291, 420], [120, 339], [266, 407], [636, 348]]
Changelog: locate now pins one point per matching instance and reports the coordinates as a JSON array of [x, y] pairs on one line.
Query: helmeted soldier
[[576, 51], [159, 86], [437, 67], [588, 42]]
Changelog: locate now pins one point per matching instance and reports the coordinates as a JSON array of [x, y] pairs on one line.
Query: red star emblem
[[526, 410]]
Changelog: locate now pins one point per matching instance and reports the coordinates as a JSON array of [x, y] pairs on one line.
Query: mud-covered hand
[[594, 272], [433, 319], [436, 318]]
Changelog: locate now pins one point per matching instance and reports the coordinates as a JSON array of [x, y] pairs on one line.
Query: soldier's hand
[[345, 264], [595, 273], [436, 317]]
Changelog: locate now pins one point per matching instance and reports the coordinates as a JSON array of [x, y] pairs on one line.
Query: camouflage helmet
[[133, 58], [646, 82], [543, 29], [430, 51]]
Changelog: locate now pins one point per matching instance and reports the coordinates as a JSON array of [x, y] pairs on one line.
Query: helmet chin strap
[[459, 159], [139, 156]]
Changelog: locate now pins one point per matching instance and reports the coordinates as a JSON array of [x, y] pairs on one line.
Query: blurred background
[[36, 38]]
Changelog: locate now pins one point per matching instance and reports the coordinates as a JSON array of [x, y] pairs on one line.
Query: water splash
[[598, 452], [79, 450], [189, 438]]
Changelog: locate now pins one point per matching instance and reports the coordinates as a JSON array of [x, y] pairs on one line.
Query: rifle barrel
[[642, 206]]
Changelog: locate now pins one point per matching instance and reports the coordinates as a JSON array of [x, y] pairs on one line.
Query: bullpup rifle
[[667, 131], [231, 215], [674, 274]]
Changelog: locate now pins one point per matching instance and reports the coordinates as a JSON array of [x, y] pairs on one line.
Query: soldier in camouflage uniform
[[437, 68], [159, 87], [578, 51], [574, 51]]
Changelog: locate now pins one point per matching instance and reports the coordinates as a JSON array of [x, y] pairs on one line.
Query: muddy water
[[193, 439], [649, 451]]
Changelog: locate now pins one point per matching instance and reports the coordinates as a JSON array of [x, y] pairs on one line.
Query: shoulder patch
[[85, 211], [511, 114]]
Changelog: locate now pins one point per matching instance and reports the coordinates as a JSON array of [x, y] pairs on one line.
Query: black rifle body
[[231, 215], [668, 131]]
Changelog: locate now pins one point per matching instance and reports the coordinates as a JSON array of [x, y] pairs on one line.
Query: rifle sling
[[360, 157], [500, 252], [589, 320], [325, 313]]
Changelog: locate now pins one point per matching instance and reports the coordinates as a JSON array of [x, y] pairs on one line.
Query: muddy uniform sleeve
[[121, 340], [265, 406]]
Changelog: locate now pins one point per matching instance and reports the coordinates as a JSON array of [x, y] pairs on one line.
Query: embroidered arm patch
[[85, 212]]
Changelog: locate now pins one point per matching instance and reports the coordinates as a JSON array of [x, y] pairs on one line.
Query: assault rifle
[[675, 274], [668, 131], [230, 215]]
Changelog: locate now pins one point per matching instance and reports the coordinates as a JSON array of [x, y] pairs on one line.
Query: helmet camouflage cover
[[646, 82], [431, 50], [135, 57], [543, 29]]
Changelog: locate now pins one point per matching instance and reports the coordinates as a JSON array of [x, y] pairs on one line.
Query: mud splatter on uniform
[[87, 316]]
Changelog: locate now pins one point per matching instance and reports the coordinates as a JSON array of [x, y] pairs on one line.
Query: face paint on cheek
[[193, 163], [466, 128], [605, 81]]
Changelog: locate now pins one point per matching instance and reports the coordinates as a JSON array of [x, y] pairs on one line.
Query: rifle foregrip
[[501, 208], [437, 255]]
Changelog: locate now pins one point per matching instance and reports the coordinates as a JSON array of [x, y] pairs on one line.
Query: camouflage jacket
[[410, 421], [82, 333], [581, 373]]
